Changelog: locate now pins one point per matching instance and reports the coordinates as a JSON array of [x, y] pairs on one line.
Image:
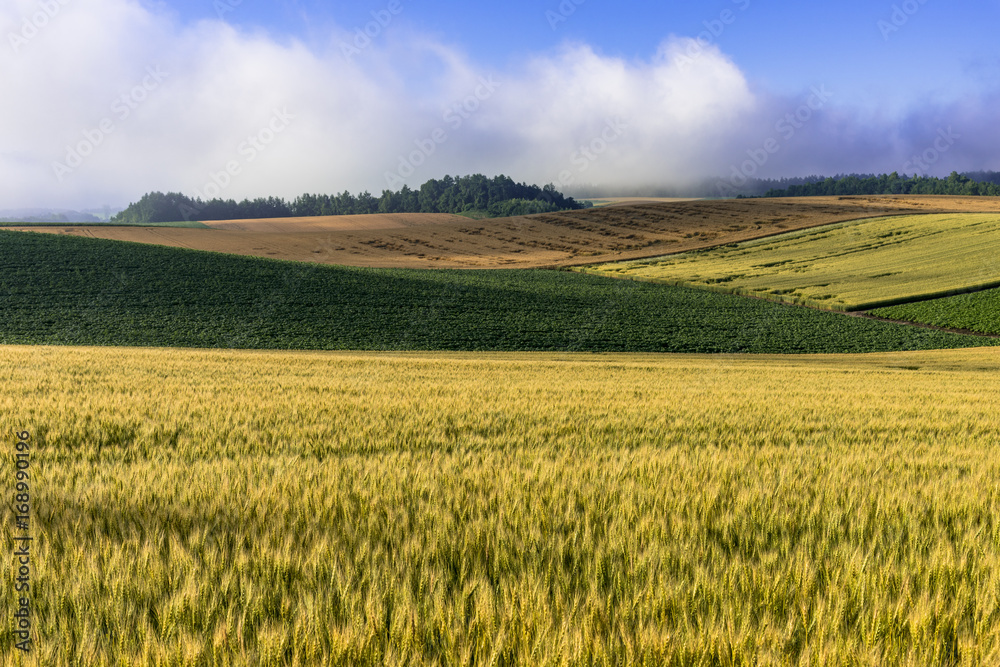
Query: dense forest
[[472, 195], [985, 184]]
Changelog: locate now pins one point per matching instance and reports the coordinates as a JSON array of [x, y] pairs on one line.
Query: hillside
[[64, 290], [622, 231], [854, 265]]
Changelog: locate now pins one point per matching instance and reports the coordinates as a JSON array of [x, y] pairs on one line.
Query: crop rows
[[854, 265], [198, 507], [76, 291]]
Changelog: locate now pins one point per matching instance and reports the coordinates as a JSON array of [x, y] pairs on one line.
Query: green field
[[66, 290], [979, 311], [854, 265]]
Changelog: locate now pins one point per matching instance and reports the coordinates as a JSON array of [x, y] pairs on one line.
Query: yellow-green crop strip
[[853, 265]]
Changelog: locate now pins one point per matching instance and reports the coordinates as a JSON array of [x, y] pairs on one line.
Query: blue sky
[[943, 48], [255, 97]]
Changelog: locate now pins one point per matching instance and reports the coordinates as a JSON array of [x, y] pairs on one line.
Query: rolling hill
[[66, 290], [618, 232], [854, 265]]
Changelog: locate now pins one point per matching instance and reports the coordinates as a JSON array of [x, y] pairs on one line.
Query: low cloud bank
[[106, 100]]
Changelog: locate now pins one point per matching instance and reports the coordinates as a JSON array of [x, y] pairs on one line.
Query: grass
[[855, 265], [475, 215], [979, 312], [77, 291], [196, 507]]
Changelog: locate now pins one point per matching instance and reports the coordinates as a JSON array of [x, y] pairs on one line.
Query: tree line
[[977, 184], [476, 194]]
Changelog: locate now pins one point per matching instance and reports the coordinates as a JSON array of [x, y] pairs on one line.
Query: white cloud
[[406, 104], [557, 112]]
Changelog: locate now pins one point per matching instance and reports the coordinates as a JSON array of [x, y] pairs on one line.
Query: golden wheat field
[[263, 508]]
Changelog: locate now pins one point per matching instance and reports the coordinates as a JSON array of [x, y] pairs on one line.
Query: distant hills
[[969, 183], [979, 184], [57, 215]]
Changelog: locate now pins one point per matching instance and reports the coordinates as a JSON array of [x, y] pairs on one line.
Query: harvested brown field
[[624, 231], [336, 223]]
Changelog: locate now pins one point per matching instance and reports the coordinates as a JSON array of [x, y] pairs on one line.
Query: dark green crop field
[[978, 311], [77, 291]]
